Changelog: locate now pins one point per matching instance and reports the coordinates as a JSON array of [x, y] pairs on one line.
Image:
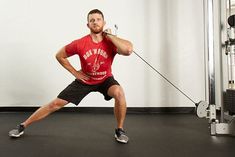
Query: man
[[96, 52]]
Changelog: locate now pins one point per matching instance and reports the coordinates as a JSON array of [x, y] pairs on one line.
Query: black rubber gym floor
[[73, 134]]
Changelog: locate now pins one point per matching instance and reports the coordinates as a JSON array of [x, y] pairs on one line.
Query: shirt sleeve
[[72, 48]]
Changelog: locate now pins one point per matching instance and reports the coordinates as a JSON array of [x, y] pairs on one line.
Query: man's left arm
[[124, 47]]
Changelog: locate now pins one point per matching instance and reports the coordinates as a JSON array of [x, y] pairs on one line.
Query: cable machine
[[222, 123]]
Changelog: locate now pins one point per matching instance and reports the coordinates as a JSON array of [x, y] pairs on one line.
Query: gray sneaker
[[121, 136], [17, 132]]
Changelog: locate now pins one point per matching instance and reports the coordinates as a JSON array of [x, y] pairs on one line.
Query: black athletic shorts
[[77, 90]]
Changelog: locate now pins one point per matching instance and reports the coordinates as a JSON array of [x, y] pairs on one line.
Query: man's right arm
[[61, 57]]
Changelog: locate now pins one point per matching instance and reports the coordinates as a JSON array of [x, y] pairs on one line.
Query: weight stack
[[230, 101]]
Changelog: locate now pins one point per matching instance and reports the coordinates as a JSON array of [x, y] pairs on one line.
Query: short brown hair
[[95, 11]]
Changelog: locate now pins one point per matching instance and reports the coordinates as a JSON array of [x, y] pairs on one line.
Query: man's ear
[[87, 25]]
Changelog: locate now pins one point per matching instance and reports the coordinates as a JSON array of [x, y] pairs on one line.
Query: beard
[[96, 29]]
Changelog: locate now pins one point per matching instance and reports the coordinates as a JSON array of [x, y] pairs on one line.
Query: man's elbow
[[57, 56], [129, 50], [61, 54]]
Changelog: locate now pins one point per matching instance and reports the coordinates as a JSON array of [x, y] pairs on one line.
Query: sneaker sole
[[118, 140], [18, 135]]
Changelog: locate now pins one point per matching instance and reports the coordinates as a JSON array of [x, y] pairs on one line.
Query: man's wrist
[[110, 36]]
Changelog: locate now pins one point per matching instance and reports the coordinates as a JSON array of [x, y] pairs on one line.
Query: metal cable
[[165, 78]]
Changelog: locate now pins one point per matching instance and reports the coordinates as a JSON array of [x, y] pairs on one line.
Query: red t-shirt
[[95, 58]]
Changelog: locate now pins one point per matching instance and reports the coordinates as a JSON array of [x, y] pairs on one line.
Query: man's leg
[[45, 110], [41, 113], [117, 93]]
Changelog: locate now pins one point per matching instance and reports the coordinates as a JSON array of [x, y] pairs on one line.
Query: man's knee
[[57, 104], [118, 93]]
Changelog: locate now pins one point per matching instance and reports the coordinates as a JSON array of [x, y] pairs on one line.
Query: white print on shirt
[[95, 52], [95, 66]]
